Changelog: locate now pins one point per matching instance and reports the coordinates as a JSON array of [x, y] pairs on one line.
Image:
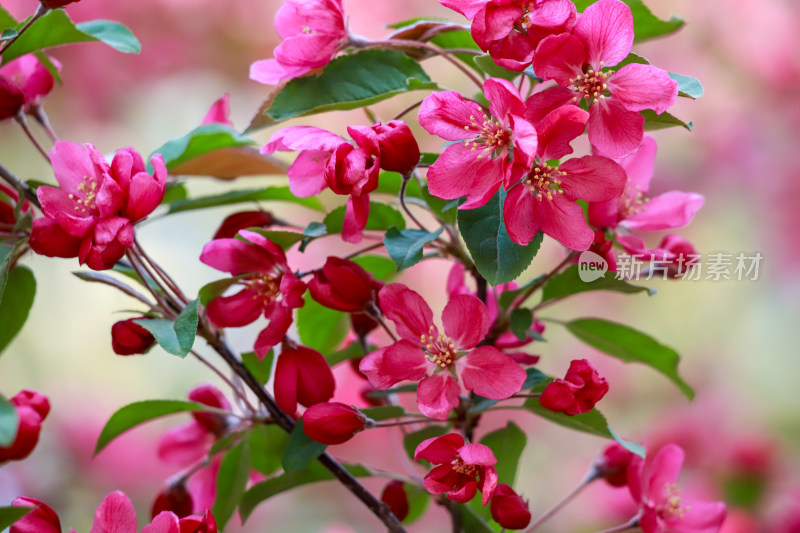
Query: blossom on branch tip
[[463, 469], [578, 392], [332, 422], [509, 509], [32, 79], [399, 151], [32, 408], [128, 338], [302, 376]]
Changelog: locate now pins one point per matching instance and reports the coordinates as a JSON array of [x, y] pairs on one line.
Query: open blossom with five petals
[[545, 198], [477, 167], [578, 62], [312, 32], [652, 483], [463, 468], [634, 210], [269, 287], [511, 30], [437, 359]]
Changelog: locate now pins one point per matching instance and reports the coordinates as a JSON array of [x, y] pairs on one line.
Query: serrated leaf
[[405, 246], [507, 443], [645, 24], [232, 477], [9, 515], [137, 413], [414, 439], [383, 412], [497, 257], [301, 449], [569, 282], [16, 304], [688, 87], [278, 194], [653, 121], [56, 29], [175, 337], [381, 217], [296, 478], [9, 422], [320, 328], [347, 82], [631, 346], [381, 267]]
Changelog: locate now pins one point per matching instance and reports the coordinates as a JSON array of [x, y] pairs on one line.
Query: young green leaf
[[521, 320], [381, 267], [137, 413], [653, 121], [507, 444], [321, 328], [9, 423], [381, 217], [383, 412], [688, 87], [261, 369], [16, 304], [301, 449], [569, 282], [234, 472], [267, 444], [405, 246], [175, 337], [9, 515], [631, 346]]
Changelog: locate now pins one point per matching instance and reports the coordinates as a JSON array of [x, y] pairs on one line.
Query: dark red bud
[[173, 498], [210, 395], [352, 171], [332, 422], [243, 220], [53, 4], [509, 509], [30, 424], [199, 524], [612, 464], [399, 149], [578, 392], [12, 99], [128, 338], [42, 519], [343, 285], [394, 495]]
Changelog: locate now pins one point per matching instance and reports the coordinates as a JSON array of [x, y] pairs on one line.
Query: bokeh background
[[738, 339]]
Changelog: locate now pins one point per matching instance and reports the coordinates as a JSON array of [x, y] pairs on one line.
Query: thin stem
[[630, 524], [403, 187], [41, 118], [527, 395], [168, 281], [379, 319], [369, 248], [236, 390], [455, 515], [591, 476], [402, 43], [410, 108], [24, 124], [404, 422], [39, 12], [167, 307], [538, 285]]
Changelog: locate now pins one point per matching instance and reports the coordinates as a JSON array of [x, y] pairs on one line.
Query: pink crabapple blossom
[[436, 359], [31, 77], [578, 392], [463, 469]]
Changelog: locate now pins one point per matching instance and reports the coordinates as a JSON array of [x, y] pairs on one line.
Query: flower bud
[[612, 464], [509, 509], [128, 338], [332, 422], [38, 402], [399, 150], [303, 376], [12, 99], [210, 395], [353, 170], [683, 252], [243, 220], [394, 495], [30, 423], [42, 519], [199, 524], [173, 498], [32, 78], [53, 4], [578, 392], [362, 324], [343, 285]]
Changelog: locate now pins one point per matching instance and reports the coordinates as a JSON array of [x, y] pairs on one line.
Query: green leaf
[[301, 449], [176, 190], [418, 501], [9, 515], [487, 64], [199, 141], [521, 321], [261, 370], [632, 58], [137, 413], [351, 351], [56, 29], [321, 328], [646, 25], [688, 87], [380, 266], [507, 443], [497, 257], [295, 478], [631, 346], [383, 412], [381, 217], [390, 183], [569, 282], [5, 263], [347, 82], [278, 194], [405, 246], [8, 33], [9, 423], [209, 291], [653, 121], [16, 304], [234, 472], [175, 337], [283, 238], [267, 444], [472, 522], [412, 440]]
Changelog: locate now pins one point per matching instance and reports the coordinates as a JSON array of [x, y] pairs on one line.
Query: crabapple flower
[[652, 484], [42, 519], [231, 225], [477, 167], [394, 495], [333, 422], [545, 198], [269, 287], [399, 151], [634, 210], [344, 285], [578, 392], [509, 509], [612, 464], [302, 375], [312, 32], [435, 359], [128, 338], [31, 77], [32, 408], [511, 30], [674, 255], [116, 514], [602, 38], [463, 469]]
